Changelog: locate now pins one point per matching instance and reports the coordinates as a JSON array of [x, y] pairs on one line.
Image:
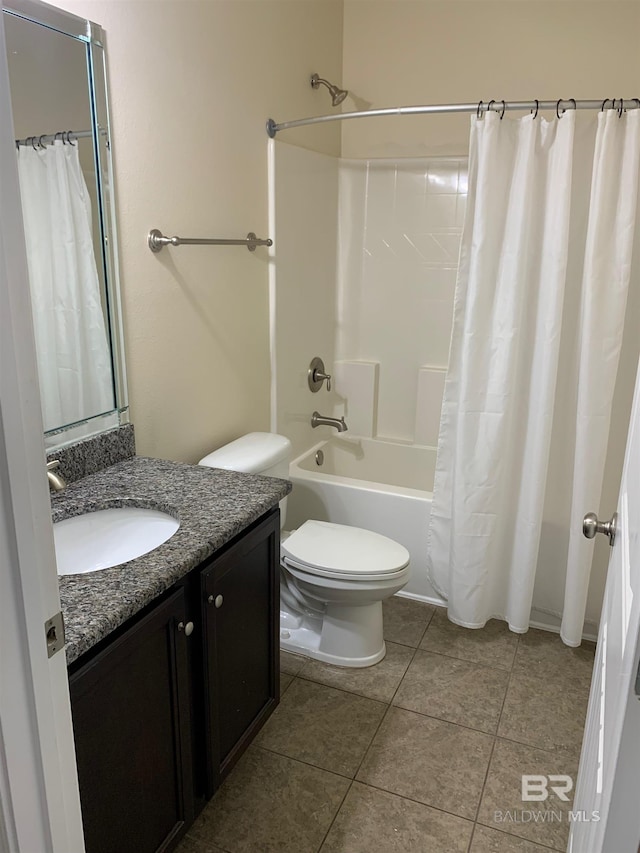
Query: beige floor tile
[[502, 806], [370, 820], [428, 760], [487, 840], [405, 620], [291, 664], [376, 682], [285, 681], [494, 645], [322, 726], [195, 845], [544, 654], [544, 713], [454, 690], [271, 804]]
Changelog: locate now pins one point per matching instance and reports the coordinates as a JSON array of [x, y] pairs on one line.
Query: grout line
[[486, 775], [413, 800], [326, 835], [558, 752], [384, 716], [202, 845], [473, 832], [465, 660], [484, 781], [344, 689], [272, 751], [541, 844]]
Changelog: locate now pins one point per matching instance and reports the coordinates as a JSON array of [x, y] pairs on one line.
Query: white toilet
[[333, 577]]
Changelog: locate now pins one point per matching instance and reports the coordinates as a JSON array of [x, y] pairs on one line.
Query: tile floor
[[423, 752]]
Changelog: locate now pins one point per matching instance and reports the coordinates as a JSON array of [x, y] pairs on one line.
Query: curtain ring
[[479, 110], [621, 110], [535, 115], [33, 142], [490, 104], [69, 140], [40, 138], [559, 115], [605, 102], [504, 106], [573, 101], [637, 100]]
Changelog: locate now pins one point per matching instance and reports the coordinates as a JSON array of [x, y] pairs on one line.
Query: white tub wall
[[429, 405], [398, 261], [304, 204], [356, 383]]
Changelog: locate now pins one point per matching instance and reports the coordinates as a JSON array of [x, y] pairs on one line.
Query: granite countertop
[[212, 506]]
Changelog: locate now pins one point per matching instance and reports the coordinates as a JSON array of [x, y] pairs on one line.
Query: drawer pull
[[188, 628]]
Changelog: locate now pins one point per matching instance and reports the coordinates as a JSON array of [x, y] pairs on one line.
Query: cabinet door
[[241, 603], [131, 719]]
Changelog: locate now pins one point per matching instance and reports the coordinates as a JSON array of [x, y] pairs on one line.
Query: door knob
[[218, 600], [188, 628], [591, 526]]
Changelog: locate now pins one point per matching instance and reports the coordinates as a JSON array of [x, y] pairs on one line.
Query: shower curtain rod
[[48, 138], [560, 106]]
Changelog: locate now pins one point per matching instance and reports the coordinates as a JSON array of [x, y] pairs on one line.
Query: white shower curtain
[[74, 364], [492, 473]]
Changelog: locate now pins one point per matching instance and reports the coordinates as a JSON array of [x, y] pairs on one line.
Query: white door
[[39, 801], [607, 801]]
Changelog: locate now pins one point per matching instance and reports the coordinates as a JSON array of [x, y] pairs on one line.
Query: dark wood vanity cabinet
[[241, 613], [162, 711], [132, 726]]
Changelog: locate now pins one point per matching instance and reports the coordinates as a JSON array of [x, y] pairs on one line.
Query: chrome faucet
[[319, 420], [56, 482]]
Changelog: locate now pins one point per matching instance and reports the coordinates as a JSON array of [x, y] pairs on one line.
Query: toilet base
[[345, 635]]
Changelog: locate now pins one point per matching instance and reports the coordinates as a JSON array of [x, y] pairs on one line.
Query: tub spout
[[319, 420]]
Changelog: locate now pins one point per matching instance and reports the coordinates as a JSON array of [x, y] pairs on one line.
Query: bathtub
[[380, 485]]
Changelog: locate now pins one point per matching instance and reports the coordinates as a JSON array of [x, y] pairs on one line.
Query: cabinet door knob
[[188, 628], [217, 600]]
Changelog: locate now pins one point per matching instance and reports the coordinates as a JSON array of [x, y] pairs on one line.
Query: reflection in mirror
[[58, 93]]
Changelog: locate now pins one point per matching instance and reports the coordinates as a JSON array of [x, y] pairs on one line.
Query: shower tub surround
[[213, 507]]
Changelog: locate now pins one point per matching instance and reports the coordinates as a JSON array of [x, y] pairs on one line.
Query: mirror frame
[[93, 37]]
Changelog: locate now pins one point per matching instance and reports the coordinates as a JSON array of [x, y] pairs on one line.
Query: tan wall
[[403, 52], [192, 84]]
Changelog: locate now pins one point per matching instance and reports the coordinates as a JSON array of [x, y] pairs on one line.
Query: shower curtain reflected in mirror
[[538, 325], [74, 363]]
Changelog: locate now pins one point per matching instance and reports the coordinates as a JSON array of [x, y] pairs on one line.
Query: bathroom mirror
[[57, 73]]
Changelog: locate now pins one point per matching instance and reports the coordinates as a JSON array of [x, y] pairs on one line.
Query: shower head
[[337, 95]]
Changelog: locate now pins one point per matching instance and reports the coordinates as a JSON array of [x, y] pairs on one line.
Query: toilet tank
[[255, 453]]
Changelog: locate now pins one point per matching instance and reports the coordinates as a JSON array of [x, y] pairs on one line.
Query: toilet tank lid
[[251, 454]]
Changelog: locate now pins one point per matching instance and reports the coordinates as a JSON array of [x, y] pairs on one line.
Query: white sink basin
[[108, 537]]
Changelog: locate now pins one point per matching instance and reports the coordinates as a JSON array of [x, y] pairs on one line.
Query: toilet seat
[[341, 551]]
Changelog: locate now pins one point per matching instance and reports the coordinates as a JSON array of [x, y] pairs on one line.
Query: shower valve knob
[[316, 375]]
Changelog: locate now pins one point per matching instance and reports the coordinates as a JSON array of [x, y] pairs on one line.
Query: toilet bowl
[[334, 577]]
